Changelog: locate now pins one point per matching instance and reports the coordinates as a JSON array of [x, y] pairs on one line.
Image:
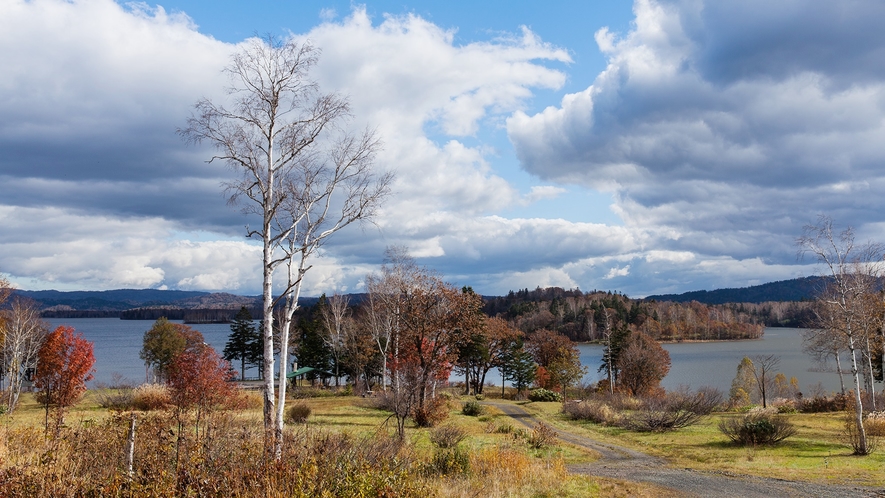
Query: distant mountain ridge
[[148, 302], [797, 289]]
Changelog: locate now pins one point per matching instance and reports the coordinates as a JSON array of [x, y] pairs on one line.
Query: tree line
[[593, 316]]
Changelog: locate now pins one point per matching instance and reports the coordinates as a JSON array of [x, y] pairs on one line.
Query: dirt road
[[623, 463]]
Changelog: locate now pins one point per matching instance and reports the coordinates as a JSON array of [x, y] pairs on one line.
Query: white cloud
[[725, 126]]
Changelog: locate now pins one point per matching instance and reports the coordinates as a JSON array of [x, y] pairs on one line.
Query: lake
[[118, 342]]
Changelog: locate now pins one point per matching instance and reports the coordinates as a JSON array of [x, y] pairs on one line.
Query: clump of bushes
[[821, 403], [756, 428], [447, 436], [434, 411], [148, 397], [542, 394], [297, 413], [114, 399], [541, 436], [675, 410], [875, 424], [472, 409], [596, 411]]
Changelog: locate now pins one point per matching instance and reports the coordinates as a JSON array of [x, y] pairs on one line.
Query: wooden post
[[130, 447]]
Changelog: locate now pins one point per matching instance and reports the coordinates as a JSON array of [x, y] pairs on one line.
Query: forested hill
[[110, 300], [797, 289]]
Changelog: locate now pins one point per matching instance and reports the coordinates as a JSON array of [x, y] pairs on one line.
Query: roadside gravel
[[623, 463]]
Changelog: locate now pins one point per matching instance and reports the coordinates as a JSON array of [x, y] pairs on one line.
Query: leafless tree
[[385, 293], [821, 344], [764, 367], [854, 271], [23, 332], [336, 323], [300, 172]]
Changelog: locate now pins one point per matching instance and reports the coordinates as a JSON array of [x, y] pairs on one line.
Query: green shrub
[[542, 394], [297, 413], [450, 461], [757, 428], [472, 409]]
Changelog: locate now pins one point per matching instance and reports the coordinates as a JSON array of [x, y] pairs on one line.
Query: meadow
[[347, 446]]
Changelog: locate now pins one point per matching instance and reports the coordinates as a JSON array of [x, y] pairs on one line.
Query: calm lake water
[[118, 342]]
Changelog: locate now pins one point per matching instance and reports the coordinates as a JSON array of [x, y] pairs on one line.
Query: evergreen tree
[[242, 342], [518, 366], [312, 350]]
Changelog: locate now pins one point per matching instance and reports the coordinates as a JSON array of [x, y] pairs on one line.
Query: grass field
[[499, 460], [818, 451]]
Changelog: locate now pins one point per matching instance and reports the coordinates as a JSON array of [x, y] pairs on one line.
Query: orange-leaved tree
[[199, 380], [64, 365]]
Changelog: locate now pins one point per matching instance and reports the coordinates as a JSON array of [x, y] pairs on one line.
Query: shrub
[[676, 410], [297, 413], [148, 397], [594, 411], [450, 461], [541, 436], [821, 403], [115, 399], [447, 436], [434, 411], [542, 394], [472, 409], [759, 427], [875, 424], [502, 428]]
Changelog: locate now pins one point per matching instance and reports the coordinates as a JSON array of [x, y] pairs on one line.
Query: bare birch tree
[[300, 172], [853, 271], [23, 332], [336, 322]]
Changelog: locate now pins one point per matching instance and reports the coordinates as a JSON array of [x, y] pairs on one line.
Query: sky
[[643, 147]]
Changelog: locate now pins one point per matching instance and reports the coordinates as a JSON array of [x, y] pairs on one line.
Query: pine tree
[[241, 344]]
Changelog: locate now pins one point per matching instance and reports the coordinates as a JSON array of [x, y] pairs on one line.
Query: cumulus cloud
[[726, 125], [94, 92]]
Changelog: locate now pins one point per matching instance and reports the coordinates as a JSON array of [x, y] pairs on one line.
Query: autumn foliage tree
[[199, 381], [64, 365], [642, 365], [164, 342]]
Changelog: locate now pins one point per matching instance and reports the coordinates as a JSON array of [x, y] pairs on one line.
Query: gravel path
[[631, 465]]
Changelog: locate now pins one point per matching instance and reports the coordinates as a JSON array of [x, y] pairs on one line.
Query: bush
[[451, 461], [542, 394], [820, 404], [435, 410], [503, 428], [148, 397], [297, 413], [447, 436], [541, 436], [676, 410], [760, 427], [875, 424], [594, 411], [114, 399], [472, 409]]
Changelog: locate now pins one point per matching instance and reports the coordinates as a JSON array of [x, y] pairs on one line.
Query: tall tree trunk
[[840, 372]]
